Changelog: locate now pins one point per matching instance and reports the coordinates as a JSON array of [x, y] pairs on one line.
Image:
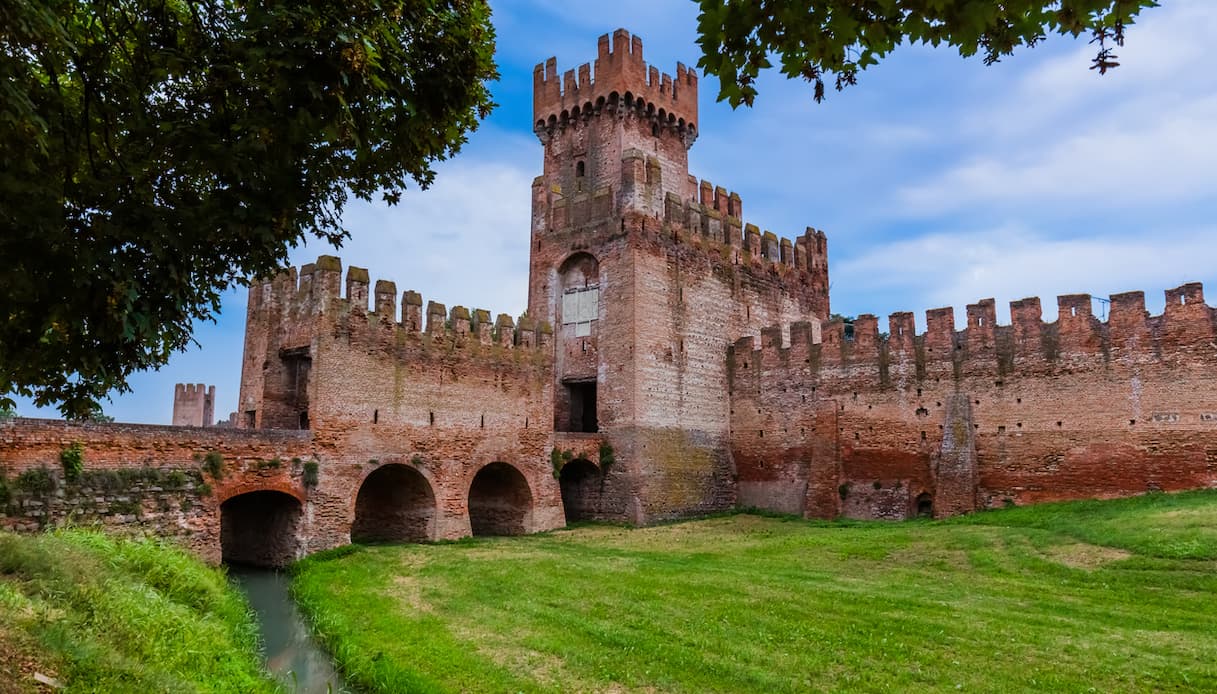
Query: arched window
[[579, 169]]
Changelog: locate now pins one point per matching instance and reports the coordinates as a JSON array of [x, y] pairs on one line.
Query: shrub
[[36, 480], [213, 464], [311, 473], [606, 456], [175, 479], [73, 460], [5, 494], [273, 463]]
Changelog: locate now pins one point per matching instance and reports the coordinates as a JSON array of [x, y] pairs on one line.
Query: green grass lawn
[[101, 614], [1092, 596]]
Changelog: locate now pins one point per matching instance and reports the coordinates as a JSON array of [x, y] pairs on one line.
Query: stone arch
[[582, 484], [261, 528], [500, 501], [395, 503], [579, 270], [923, 505]]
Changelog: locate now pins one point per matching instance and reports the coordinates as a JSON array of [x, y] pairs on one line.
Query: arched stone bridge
[[268, 497]]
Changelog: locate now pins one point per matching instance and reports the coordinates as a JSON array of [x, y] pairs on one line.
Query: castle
[[673, 361]]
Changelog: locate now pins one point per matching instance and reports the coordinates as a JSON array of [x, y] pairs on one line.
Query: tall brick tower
[[647, 276]]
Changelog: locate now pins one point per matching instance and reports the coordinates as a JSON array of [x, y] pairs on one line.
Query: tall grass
[[118, 615]]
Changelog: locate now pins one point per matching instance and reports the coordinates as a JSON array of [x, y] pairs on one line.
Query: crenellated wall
[[984, 416], [301, 318], [193, 405], [621, 76], [358, 421]]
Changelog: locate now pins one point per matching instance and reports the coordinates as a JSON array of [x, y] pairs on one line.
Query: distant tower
[[193, 405], [647, 275]]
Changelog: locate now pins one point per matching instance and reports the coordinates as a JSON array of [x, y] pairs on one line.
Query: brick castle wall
[[982, 417]]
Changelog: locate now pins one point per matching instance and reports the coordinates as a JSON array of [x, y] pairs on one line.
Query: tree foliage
[[833, 40], [155, 152]]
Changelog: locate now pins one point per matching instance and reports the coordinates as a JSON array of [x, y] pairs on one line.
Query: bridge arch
[[582, 484], [395, 503], [500, 501], [261, 527]]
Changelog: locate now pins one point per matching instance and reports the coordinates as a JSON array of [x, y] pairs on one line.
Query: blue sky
[[938, 180]]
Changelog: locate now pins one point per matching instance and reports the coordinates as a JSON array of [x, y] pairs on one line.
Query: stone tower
[[648, 275], [193, 405]]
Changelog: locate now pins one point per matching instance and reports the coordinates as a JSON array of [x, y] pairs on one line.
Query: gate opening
[[395, 504], [260, 528], [582, 484], [499, 501]]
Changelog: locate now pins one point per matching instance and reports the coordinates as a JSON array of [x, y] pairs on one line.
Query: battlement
[[709, 216], [619, 79], [1077, 337], [193, 405], [713, 216], [297, 297]]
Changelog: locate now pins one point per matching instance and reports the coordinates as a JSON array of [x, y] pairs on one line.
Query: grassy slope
[[1112, 595], [109, 615]]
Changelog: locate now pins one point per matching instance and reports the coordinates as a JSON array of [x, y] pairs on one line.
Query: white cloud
[[1166, 157], [1143, 135], [464, 241]]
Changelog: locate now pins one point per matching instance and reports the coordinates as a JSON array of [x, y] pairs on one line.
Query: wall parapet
[[1077, 336], [620, 80], [294, 298]]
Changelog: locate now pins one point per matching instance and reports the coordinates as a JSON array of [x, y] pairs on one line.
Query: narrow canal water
[[291, 653]]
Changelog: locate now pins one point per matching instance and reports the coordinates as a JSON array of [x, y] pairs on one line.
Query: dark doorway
[[925, 506], [395, 504], [581, 406], [582, 484], [499, 501], [260, 529]]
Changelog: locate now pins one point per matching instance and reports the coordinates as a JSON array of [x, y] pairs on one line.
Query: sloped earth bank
[[1089, 596], [93, 613]]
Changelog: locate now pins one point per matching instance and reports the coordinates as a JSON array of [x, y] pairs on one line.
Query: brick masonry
[[981, 417], [674, 360]]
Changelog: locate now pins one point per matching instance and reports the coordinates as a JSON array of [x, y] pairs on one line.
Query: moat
[[291, 653]]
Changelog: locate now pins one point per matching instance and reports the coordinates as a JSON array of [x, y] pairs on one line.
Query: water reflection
[[291, 653]]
